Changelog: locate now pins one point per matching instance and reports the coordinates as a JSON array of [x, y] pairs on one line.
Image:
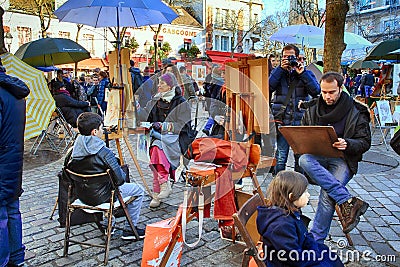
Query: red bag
[[158, 237]]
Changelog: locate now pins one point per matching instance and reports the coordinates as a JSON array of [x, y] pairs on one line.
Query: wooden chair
[[108, 208], [245, 221]]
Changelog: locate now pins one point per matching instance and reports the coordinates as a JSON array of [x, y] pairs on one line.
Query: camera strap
[[292, 85]]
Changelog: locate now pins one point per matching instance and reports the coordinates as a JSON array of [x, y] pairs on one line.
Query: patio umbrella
[[362, 64], [381, 50], [116, 13], [47, 52], [39, 103], [306, 35], [394, 55], [355, 41]]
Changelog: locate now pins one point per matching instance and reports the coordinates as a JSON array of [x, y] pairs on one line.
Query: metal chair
[[69, 135], [108, 208], [245, 221]]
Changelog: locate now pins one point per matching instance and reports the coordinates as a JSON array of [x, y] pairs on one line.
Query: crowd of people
[[297, 98]]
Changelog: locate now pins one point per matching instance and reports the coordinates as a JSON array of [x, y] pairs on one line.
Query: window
[[64, 34], [24, 35], [88, 42], [217, 21], [224, 43], [225, 17], [217, 41], [187, 43]]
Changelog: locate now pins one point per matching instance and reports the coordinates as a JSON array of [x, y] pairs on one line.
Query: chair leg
[[109, 228], [339, 213], [67, 231], [54, 209], [128, 217]]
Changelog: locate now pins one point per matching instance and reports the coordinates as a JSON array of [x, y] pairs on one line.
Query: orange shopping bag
[[158, 236]]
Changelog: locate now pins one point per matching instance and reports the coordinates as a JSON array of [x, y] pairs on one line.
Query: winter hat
[[170, 79], [57, 85]]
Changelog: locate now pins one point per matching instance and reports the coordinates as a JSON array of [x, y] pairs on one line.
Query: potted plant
[[183, 52], [193, 51]]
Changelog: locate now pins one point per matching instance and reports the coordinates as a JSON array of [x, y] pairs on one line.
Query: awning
[[220, 57], [87, 64]]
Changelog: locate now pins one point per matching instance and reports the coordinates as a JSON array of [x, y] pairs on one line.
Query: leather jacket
[[99, 191], [357, 131]]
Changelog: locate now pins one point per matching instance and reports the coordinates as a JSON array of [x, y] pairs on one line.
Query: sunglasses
[[302, 58]]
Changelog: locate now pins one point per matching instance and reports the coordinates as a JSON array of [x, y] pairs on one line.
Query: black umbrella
[[381, 50], [51, 51], [362, 64]]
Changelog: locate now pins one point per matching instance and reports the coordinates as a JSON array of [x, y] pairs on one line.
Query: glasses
[[302, 58]]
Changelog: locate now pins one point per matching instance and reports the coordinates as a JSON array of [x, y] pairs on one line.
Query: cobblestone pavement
[[376, 236]]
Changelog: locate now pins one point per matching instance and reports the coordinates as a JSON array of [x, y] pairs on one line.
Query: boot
[[351, 212], [155, 202], [165, 190]]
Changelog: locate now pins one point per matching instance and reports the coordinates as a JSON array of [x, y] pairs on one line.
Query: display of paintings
[[396, 79], [199, 72], [384, 113], [143, 146]]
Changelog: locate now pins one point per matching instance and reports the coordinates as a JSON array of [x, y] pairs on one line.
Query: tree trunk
[[79, 26], [336, 11], [2, 44]]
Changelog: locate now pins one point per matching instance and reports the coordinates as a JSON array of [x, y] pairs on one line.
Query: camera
[[292, 61]]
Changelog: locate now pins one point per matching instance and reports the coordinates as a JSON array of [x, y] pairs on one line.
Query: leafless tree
[[309, 12], [42, 8], [270, 25]]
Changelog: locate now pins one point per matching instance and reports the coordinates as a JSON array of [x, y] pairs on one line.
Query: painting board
[[315, 140], [384, 112]]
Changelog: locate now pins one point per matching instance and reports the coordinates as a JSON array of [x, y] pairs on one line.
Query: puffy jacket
[[279, 81], [95, 193], [70, 107], [12, 126], [357, 132], [286, 235]]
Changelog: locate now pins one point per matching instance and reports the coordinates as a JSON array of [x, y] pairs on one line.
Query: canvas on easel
[[113, 108], [315, 140]]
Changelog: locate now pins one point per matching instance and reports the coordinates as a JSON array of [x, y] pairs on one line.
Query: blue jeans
[[332, 175], [11, 248], [128, 190], [282, 151]]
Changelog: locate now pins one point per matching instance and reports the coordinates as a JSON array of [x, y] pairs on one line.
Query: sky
[[271, 6]]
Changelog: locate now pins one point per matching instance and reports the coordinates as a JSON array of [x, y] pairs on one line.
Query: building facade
[[232, 26], [375, 20]]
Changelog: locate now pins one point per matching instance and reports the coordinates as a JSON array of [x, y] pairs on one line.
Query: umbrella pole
[[120, 68]]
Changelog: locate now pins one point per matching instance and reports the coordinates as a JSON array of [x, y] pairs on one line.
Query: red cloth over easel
[[232, 157]]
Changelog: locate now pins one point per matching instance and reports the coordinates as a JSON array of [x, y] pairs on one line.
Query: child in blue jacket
[[286, 240]]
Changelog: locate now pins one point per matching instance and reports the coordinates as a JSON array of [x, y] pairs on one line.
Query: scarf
[[329, 114], [166, 96]]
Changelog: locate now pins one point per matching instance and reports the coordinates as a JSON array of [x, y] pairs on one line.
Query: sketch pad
[[315, 140]]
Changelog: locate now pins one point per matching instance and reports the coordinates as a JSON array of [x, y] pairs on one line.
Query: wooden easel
[[125, 98], [243, 94]]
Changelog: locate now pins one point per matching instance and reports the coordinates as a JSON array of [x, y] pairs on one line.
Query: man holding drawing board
[[350, 120]]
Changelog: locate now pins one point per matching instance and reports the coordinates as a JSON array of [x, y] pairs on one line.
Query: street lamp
[[8, 40], [147, 46]]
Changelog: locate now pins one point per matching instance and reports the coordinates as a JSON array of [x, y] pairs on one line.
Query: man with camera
[[289, 83]]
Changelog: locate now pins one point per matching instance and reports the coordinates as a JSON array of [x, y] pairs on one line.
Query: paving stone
[[387, 233], [373, 236]]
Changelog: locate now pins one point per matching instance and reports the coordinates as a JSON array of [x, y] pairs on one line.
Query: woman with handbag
[[170, 115]]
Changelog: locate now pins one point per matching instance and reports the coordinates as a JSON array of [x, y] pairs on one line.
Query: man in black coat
[[70, 107], [350, 119], [12, 126]]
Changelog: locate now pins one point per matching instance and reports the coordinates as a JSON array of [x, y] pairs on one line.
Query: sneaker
[[351, 212], [155, 202], [129, 235], [165, 190]]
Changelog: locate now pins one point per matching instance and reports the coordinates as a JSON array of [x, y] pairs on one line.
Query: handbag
[[158, 237], [395, 142]]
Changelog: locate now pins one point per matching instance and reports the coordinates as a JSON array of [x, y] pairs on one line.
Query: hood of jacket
[[269, 215], [134, 70], [14, 86], [86, 146]]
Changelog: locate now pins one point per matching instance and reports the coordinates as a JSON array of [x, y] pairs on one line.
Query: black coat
[[305, 84], [357, 132], [70, 107], [12, 126], [99, 192]]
